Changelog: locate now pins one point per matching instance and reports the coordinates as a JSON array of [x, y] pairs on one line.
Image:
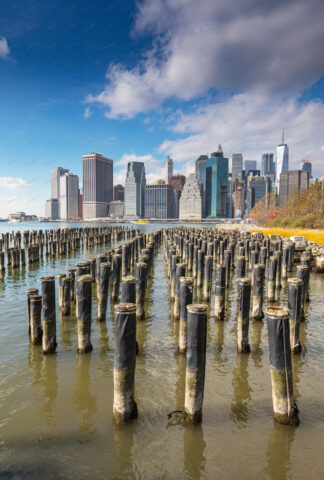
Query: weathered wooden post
[[295, 289], [243, 314], [186, 287], [258, 285], [83, 287], [49, 314], [219, 306], [36, 331]]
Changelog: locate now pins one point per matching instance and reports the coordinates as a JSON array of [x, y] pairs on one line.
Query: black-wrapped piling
[[240, 266], [219, 306], [116, 273], [83, 286], [243, 314], [125, 407], [36, 331], [295, 289], [185, 297], [208, 272], [141, 280], [128, 289], [49, 315], [257, 297], [102, 290], [66, 295], [273, 265], [29, 293], [180, 272]]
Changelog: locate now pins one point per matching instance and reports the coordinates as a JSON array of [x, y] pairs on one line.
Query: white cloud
[[250, 123], [13, 199], [13, 183], [4, 48], [87, 113], [238, 46]]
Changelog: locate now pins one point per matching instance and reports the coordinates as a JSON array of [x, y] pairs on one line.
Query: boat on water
[[140, 222]]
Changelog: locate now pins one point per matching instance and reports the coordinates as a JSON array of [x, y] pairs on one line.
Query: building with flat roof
[[267, 164], [250, 165], [160, 201], [69, 196], [216, 185], [97, 185], [118, 193], [135, 190], [55, 184], [307, 167], [168, 169], [116, 208], [237, 166], [293, 180], [52, 209]]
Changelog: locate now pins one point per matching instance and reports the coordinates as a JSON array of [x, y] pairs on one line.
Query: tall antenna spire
[[283, 134]]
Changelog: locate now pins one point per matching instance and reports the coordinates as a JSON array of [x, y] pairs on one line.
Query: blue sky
[[143, 80]]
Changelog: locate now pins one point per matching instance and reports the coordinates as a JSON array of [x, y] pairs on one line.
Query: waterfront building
[[168, 169], [177, 181], [250, 165], [118, 193], [307, 167], [282, 157], [159, 201], [293, 180], [97, 185], [190, 205], [80, 205], [216, 185], [256, 190], [69, 196], [237, 166], [135, 190], [55, 184], [116, 208], [267, 164], [52, 209]]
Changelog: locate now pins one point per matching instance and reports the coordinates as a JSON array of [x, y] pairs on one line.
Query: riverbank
[[310, 234]]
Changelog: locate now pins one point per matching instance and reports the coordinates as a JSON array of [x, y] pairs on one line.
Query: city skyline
[[64, 94]]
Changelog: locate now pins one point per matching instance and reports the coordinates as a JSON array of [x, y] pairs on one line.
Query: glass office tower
[[135, 189], [216, 185]]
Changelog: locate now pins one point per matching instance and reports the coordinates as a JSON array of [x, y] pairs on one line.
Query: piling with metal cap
[[66, 295], [295, 289], [29, 293], [116, 273], [284, 406], [273, 265], [49, 315], [180, 272], [195, 362], [141, 280], [208, 272], [124, 407], [185, 297], [257, 297], [83, 286], [243, 314], [36, 331], [102, 290], [220, 281], [240, 266]]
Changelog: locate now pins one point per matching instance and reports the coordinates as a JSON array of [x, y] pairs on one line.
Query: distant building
[[118, 193], [293, 180], [97, 185], [250, 165], [177, 181], [159, 201], [168, 169], [307, 167], [200, 161], [216, 185], [55, 184], [116, 208], [238, 199], [52, 209], [69, 196], [256, 189], [80, 205], [267, 164], [282, 157], [135, 190], [190, 206], [237, 166]]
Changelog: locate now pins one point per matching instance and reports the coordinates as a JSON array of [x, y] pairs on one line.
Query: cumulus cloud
[[4, 48], [87, 113], [13, 183], [234, 46], [153, 168], [250, 123]]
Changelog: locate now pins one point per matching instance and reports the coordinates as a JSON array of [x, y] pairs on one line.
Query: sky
[[141, 80]]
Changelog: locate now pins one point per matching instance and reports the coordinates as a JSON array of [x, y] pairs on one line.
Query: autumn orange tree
[[263, 210]]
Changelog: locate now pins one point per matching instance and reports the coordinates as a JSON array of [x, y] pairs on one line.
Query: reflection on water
[[84, 401], [50, 386], [278, 463], [103, 337], [125, 464], [194, 447], [242, 391], [35, 357], [256, 327]]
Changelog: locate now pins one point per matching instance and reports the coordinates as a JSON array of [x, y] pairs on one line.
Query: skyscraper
[[168, 169], [307, 167], [118, 193], [267, 164], [282, 157], [160, 201], [52, 209], [97, 185], [190, 205], [250, 165], [134, 189], [237, 166], [256, 189], [69, 196], [216, 185], [55, 184], [293, 180]]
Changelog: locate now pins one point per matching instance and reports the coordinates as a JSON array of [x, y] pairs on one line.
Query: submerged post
[[295, 288], [219, 306], [49, 314], [284, 407], [102, 289], [83, 286], [128, 290], [180, 272], [141, 279], [196, 362], [185, 296], [36, 331], [125, 407], [258, 284], [273, 265]]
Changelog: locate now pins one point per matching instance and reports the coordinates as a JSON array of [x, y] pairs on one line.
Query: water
[[56, 411]]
